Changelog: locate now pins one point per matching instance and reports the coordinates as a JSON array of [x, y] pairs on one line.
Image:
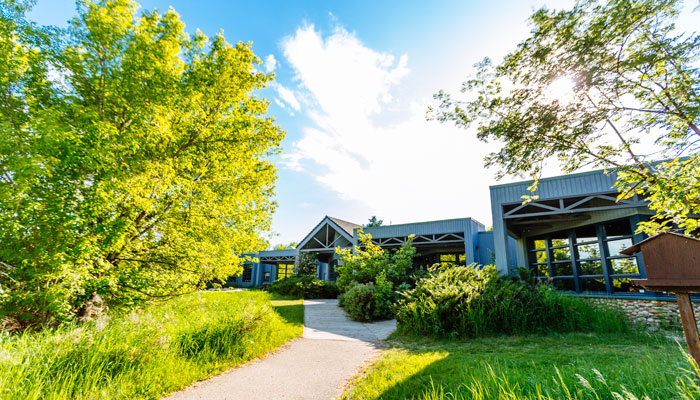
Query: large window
[[444, 259], [452, 259], [247, 273], [285, 270], [586, 259]]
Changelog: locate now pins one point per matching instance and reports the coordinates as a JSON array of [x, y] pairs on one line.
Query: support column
[[690, 327], [500, 239]]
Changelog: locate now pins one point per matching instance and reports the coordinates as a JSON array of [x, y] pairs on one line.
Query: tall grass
[[494, 383], [147, 353], [580, 366]]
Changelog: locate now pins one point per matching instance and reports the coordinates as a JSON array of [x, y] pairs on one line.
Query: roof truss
[[593, 202], [437, 238], [325, 237], [273, 259]]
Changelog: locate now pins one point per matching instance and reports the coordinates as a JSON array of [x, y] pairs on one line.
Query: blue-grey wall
[[582, 184], [487, 250]]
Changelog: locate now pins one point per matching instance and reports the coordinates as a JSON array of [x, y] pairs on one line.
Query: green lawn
[[149, 352], [570, 366]]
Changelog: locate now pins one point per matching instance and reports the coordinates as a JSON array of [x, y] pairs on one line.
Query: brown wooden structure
[[673, 265]]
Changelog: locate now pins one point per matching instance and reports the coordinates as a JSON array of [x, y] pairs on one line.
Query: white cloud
[[270, 63], [405, 170], [288, 96], [279, 103]]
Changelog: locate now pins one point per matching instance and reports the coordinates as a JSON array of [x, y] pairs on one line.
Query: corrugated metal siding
[[423, 228], [560, 186], [278, 253], [486, 248]]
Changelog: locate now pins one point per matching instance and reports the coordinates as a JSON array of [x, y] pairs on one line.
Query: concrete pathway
[[317, 366]]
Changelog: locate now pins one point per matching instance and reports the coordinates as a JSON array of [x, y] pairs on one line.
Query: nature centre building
[[571, 237]]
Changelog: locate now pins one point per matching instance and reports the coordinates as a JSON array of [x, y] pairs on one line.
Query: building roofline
[[423, 223], [336, 226], [551, 178], [579, 174]]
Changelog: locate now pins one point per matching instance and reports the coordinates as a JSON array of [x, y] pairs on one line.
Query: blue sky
[[353, 82]]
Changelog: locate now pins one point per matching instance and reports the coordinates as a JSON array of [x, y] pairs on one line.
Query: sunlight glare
[[561, 90]]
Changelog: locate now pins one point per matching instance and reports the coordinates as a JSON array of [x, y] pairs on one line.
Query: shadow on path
[[325, 320]]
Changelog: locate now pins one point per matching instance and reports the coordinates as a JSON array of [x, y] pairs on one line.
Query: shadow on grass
[[291, 309], [517, 366]]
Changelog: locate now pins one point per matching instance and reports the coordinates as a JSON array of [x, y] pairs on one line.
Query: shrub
[[471, 301], [369, 261], [367, 302], [306, 264], [307, 287]]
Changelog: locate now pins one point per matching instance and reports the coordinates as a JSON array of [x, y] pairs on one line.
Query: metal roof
[[277, 253], [585, 183], [423, 228]]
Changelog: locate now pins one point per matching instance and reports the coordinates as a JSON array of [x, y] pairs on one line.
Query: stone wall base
[[657, 314]]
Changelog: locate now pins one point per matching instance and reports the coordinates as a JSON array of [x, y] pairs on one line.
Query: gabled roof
[[344, 228], [348, 227]]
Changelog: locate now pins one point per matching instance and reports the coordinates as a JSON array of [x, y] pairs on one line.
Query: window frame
[[607, 274]]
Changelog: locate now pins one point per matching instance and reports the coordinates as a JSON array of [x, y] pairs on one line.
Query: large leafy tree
[[133, 159], [634, 98]]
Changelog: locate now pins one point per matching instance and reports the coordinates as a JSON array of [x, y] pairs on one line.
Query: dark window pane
[[624, 265], [564, 284], [618, 228], [560, 269], [247, 273], [624, 285], [586, 234], [541, 270], [615, 246], [591, 267], [593, 285], [538, 257], [588, 251], [560, 235]]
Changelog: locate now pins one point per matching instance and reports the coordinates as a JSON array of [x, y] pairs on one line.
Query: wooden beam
[[690, 327]]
